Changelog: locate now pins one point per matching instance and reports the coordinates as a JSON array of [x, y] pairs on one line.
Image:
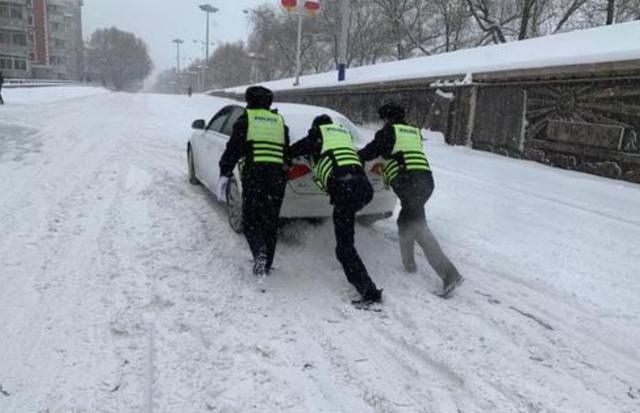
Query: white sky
[[157, 22]]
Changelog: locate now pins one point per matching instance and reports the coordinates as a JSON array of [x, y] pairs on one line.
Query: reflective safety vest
[[407, 155], [337, 151], [266, 135]]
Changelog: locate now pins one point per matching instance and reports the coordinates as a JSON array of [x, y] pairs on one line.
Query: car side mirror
[[199, 124]]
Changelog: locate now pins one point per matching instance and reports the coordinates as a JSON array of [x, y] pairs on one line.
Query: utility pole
[[312, 7], [611, 11], [299, 51], [207, 8], [344, 40], [178, 42]]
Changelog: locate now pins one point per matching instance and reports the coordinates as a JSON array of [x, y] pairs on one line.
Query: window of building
[[59, 43], [19, 39], [11, 11], [9, 37], [20, 64], [54, 9], [16, 13], [58, 60], [12, 63], [6, 63], [57, 27]]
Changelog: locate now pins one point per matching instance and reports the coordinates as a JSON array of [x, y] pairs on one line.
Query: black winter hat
[[391, 111], [322, 120], [258, 96]]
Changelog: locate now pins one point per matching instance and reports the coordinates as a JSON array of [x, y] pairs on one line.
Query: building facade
[[41, 39], [14, 44]]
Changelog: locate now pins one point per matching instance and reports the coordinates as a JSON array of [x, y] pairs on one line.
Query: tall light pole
[[312, 7], [299, 51], [207, 8], [344, 40], [253, 56], [178, 42]]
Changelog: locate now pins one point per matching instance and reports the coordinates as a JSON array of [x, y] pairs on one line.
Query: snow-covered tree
[[118, 59]]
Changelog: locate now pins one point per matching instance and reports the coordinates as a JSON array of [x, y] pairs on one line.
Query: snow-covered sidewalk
[[122, 289]]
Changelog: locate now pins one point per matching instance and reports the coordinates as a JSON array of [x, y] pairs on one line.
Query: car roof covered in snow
[[614, 43], [299, 118]]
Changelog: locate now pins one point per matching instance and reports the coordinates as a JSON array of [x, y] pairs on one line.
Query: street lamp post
[[253, 56], [178, 42], [207, 8], [344, 40], [299, 51], [312, 7]]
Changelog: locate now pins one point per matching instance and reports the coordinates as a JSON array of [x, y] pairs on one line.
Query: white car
[[302, 198]]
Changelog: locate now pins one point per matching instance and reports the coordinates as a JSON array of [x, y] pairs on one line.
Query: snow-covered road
[[122, 289]]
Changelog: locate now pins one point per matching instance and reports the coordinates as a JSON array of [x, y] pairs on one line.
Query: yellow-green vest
[[337, 151], [407, 154], [266, 133]]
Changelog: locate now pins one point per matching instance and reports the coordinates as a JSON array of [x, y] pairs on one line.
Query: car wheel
[[234, 206], [193, 180]]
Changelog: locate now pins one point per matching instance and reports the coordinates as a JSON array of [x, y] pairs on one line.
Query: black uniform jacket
[[311, 146], [238, 147], [381, 146]]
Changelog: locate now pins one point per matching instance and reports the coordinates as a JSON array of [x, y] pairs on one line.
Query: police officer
[[339, 173], [407, 171], [261, 138]]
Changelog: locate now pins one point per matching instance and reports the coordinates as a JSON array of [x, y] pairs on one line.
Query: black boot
[[260, 266], [451, 281], [370, 297]]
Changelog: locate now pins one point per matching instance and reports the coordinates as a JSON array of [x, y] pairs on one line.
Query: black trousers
[[1, 101], [262, 194], [349, 194]]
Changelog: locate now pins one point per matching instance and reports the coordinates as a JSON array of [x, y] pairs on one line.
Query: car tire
[[234, 206], [193, 179]]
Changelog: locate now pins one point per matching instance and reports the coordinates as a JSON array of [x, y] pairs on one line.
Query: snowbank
[[620, 42], [48, 94]]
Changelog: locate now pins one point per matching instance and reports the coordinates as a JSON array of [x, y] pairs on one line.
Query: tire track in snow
[[58, 284]]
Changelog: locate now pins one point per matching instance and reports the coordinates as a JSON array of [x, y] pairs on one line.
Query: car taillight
[[377, 169], [298, 171]]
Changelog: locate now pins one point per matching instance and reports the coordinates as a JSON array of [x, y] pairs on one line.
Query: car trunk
[[305, 186]]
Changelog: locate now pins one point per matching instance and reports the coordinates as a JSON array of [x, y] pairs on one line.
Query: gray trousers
[[414, 190], [419, 233]]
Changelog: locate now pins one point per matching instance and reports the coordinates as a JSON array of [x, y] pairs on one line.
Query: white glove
[[221, 190]]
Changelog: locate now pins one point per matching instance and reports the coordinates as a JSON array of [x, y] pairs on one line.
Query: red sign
[[312, 6], [289, 4]]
